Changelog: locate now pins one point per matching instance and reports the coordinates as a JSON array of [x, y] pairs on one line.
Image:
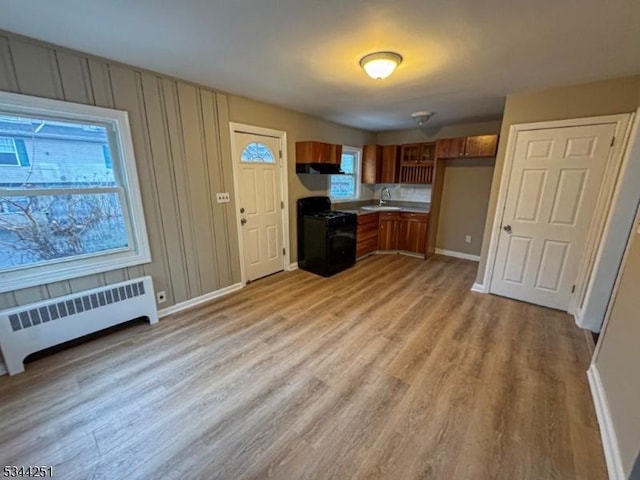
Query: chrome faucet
[[384, 193]]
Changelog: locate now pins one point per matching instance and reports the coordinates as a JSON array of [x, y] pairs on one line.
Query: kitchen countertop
[[413, 207]]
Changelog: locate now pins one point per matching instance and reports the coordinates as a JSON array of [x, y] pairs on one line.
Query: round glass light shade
[[381, 64]]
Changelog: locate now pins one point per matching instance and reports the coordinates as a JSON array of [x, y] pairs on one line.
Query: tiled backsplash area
[[405, 192]]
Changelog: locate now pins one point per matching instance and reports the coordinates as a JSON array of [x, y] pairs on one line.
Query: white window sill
[[37, 276]]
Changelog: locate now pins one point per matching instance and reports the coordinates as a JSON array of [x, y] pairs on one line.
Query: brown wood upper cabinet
[[411, 153], [318, 152], [390, 164], [371, 164], [473, 147], [380, 164]]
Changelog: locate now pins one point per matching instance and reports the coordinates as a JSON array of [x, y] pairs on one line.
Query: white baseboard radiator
[[30, 328]]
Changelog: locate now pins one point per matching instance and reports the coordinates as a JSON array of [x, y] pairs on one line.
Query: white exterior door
[[260, 206], [552, 194]]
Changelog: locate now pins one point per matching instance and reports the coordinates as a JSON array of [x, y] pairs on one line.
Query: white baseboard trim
[[292, 267], [479, 288], [464, 256], [178, 307], [607, 432]]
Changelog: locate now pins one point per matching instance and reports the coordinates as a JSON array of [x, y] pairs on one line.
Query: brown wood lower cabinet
[[367, 234], [413, 231], [388, 232], [405, 231]]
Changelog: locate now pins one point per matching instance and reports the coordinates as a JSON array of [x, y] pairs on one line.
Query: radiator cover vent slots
[[31, 328], [55, 311]]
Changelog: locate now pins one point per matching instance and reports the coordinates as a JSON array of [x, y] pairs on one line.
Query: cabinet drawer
[[389, 215], [420, 217], [368, 218], [367, 227], [367, 246], [367, 234]]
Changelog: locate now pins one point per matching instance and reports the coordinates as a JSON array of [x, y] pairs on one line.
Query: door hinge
[[282, 205], [573, 289], [284, 251], [280, 153], [613, 141]]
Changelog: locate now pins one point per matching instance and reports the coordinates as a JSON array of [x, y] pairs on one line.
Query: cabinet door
[[318, 152], [371, 164], [390, 164], [481, 146], [412, 236], [388, 235], [413, 229], [427, 152], [410, 153], [334, 154], [450, 147]]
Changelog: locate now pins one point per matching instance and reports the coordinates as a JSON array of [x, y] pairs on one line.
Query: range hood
[[319, 168]]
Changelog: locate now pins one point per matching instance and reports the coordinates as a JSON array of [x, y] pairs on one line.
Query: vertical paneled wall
[[181, 143]]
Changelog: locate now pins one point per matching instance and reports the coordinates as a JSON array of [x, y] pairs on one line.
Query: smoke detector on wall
[[421, 117]]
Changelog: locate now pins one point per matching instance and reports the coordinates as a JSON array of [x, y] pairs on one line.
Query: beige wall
[[299, 127], [467, 184], [182, 159], [182, 146], [591, 99], [465, 199], [618, 358]]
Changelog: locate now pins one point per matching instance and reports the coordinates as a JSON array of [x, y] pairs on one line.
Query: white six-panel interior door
[[259, 205], [553, 188]]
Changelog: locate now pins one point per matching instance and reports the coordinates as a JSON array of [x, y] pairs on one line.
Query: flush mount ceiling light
[[421, 117], [380, 65]]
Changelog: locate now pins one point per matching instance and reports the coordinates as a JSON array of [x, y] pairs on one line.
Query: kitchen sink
[[383, 208]]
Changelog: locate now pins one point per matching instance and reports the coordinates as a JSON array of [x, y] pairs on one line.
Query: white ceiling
[[461, 57]]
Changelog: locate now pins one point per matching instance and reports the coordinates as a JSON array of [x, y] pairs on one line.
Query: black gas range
[[326, 238]]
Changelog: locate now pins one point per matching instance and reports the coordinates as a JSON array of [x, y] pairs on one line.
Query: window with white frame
[[69, 198], [347, 186]]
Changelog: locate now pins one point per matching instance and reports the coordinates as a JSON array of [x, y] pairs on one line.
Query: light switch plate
[[467, 239], [223, 197]]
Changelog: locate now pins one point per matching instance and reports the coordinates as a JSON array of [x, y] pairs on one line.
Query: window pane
[[49, 227], [348, 162], [53, 154], [343, 186], [257, 153], [8, 152]]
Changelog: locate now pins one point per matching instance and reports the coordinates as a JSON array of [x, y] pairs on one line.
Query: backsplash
[[406, 192]]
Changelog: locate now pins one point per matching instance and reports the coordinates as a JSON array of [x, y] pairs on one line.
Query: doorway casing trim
[[284, 191], [610, 180]]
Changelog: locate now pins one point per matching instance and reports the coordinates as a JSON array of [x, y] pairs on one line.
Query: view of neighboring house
[[38, 220]]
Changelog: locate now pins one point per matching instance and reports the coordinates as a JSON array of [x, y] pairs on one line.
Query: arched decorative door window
[[257, 152]]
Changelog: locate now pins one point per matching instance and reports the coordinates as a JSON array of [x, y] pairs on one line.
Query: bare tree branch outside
[[58, 194]]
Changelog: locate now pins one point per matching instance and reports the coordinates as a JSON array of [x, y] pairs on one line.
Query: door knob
[[507, 228], [242, 210], [243, 221]]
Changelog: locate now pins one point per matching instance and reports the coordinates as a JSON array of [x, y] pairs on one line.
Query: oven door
[[341, 248]]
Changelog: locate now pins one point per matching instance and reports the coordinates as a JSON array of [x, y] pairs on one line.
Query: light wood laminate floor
[[392, 369]]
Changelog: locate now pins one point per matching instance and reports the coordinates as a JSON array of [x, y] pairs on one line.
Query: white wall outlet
[[223, 197], [161, 296], [467, 239]]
